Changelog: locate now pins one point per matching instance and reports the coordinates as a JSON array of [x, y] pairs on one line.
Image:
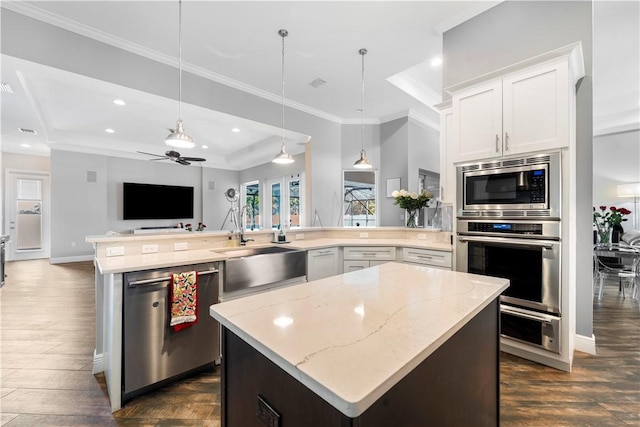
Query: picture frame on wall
[[393, 184]]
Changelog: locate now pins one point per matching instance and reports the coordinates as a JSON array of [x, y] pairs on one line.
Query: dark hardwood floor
[[47, 335]]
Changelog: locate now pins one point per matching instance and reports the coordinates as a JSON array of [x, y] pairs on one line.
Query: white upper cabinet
[[535, 110], [477, 122], [522, 109], [447, 170]]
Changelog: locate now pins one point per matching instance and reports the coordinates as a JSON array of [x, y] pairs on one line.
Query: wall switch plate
[[115, 250], [266, 414], [422, 236], [299, 236], [180, 246], [149, 249], [364, 235]]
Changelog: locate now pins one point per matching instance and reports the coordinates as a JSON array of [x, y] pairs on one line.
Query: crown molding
[[120, 43]]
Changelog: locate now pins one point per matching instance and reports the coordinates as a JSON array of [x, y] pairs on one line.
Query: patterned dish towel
[[184, 300]]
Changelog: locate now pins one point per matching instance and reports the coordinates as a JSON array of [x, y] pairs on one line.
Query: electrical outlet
[[115, 250], [422, 236], [299, 236], [181, 246], [364, 235], [266, 414], [149, 249]]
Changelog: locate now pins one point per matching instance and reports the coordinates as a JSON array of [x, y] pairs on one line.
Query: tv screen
[[151, 201]]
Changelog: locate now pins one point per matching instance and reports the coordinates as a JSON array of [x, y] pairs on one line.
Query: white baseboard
[[585, 344], [66, 259], [98, 363]]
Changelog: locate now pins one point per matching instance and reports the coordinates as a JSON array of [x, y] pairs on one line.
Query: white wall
[[616, 160]]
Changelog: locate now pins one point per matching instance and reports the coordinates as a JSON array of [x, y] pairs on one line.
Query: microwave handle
[[518, 313], [520, 242]]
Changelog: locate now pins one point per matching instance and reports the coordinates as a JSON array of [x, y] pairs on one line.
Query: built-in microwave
[[516, 187]]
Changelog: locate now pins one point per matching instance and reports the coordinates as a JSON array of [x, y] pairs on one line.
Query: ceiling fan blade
[[194, 159], [150, 154], [161, 158], [182, 162]]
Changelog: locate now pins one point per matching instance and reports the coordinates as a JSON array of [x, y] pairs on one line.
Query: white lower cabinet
[[322, 263], [359, 257], [428, 257]]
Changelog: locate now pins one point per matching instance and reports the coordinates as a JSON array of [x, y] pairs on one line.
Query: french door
[[27, 215]]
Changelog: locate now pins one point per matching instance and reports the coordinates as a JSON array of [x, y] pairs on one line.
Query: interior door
[[27, 215]]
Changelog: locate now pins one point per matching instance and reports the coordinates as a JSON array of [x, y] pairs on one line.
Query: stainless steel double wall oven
[[509, 226]]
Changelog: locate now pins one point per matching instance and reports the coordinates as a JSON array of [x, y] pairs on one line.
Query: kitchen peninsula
[[118, 254], [394, 344]]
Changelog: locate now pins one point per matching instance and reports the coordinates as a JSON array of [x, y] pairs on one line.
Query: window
[[285, 206], [251, 203], [359, 202]]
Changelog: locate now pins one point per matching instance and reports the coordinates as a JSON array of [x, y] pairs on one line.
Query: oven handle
[[519, 242], [518, 313]]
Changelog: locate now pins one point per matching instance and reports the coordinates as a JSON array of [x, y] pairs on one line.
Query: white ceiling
[[236, 43]]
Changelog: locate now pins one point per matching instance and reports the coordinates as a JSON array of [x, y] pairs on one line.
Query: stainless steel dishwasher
[[153, 353]]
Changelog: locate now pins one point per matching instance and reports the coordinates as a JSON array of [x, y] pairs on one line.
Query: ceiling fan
[[174, 156]]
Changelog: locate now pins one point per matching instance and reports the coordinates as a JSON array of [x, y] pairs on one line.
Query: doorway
[[27, 213]]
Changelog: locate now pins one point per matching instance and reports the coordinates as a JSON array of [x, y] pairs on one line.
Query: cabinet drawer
[[386, 253], [427, 257], [355, 265]]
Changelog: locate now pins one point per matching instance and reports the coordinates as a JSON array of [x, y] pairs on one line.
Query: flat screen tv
[[151, 201]]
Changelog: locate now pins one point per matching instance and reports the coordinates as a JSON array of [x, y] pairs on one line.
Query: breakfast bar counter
[[394, 344]]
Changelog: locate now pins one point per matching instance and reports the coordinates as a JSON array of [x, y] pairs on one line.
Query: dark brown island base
[[456, 384]]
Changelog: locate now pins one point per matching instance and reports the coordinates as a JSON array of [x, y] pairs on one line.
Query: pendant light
[[283, 157], [177, 138], [362, 162]]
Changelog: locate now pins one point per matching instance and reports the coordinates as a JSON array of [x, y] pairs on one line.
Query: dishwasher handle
[[147, 282]]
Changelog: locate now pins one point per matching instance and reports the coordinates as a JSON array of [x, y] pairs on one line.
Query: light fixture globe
[[178, 138], [283, 157], [362, 162]]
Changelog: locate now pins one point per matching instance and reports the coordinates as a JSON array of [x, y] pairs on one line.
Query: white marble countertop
[[350, 338], [134, 262]]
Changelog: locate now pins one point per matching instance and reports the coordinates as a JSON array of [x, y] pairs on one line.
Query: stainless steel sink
[[251, 268], [245, 252]]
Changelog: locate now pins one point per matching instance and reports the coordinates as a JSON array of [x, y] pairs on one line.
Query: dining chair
[[607, 264]]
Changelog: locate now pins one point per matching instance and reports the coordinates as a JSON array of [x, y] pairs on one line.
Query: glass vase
[[604, 235], [412, 217]]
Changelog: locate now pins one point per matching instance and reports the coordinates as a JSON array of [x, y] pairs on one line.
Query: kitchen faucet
[[243, 226]]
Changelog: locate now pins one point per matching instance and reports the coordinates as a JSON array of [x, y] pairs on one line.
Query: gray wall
[[616, 161], [517, 30], [80, 208], [394, 149]]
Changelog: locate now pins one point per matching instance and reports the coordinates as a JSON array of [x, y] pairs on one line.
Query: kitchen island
[[394, 344]]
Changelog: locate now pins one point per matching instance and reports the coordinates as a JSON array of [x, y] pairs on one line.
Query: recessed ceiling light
[[205, 146], [25, 145], [119, 102], [235, 130], [436, 61], [109, 130]]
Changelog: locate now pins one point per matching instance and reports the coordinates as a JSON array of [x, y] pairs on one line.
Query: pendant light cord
[[362, 52], [283, 33], [180, 60]]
